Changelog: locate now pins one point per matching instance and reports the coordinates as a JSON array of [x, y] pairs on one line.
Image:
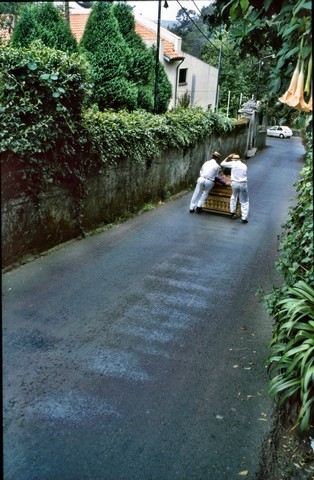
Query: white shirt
[[238, 170], [210, 170]]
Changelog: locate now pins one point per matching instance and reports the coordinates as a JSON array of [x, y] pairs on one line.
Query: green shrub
[[109, 56], [141, 63], [41, 96], [292, 352], [43, 22], [292, 306], [296, 247], [141, 136]]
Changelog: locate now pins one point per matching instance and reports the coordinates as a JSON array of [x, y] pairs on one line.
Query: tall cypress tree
[[109, 57], [142, 67], [44, 22], [26, 29]]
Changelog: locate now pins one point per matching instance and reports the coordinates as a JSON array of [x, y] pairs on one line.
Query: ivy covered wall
[[33, 224]]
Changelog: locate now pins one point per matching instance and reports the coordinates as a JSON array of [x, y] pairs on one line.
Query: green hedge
[[48, 135], [291, 360], [41, 97], [141, 136]]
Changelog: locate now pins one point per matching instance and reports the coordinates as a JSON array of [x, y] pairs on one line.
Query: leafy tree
[[109, 57], [26, 29], [282, 27], [142, 65], [141, 62], [164, 88], [237, 76], [193, 29], [44, 22]]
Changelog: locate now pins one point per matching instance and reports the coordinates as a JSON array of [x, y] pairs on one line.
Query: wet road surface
[[137, 354]]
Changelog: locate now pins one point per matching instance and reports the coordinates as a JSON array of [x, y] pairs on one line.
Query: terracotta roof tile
[[146, 34], [78, 23], [7, 22], [170, 52]]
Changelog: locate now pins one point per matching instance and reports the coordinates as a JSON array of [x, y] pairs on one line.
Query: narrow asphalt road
[[138, 353]]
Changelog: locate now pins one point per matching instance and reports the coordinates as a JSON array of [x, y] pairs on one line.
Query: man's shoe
[[245, 221], [233, 215], [191, 210], [199, 209]]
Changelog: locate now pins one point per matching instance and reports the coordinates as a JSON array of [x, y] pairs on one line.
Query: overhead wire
[[197, 8], [207, 38]]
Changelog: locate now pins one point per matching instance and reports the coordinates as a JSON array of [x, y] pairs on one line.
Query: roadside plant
[[291, 360], [292, 353], [296, 246]]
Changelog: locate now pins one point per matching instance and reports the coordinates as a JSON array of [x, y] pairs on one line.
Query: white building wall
[[201, 82], [201, 77]]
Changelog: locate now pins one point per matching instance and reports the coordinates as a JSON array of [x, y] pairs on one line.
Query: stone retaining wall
[[29, 228]]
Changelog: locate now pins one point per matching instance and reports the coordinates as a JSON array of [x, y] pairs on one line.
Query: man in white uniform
[[238, 185], [205, 182]]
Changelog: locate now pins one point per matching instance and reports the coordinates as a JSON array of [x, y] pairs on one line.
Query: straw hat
[[236, 157], [217, 154]]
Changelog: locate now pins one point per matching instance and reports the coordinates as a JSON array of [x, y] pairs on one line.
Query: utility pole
[[157, 59], [67, 11], [217, 89], [261, 63]]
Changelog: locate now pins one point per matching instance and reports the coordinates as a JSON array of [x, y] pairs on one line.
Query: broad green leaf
[[32, 66], [244, 4], [302, 5]]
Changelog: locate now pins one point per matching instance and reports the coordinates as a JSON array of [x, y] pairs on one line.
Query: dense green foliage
[[41, 93], [292, 346], [296, 247], [47, 135], [292, 352], [142, 65], [122, 67], [263, 27], [237, 76], [109, 57], [141, 61], [192, 27], [141, 135], [41, 97], [44, 22]]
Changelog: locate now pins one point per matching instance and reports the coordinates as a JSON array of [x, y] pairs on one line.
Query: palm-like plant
[[292, 352]]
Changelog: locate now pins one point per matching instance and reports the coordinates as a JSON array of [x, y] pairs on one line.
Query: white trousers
[[240, 191], [202, 189]]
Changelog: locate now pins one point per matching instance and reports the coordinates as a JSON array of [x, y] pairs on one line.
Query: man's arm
[[227, 159]]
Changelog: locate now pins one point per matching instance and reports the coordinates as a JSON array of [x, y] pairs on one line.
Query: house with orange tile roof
[[187, 74]]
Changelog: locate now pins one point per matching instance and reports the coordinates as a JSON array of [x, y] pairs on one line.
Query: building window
[[182, 76]]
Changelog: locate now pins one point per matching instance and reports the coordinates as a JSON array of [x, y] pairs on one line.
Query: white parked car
[[279, 131]]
